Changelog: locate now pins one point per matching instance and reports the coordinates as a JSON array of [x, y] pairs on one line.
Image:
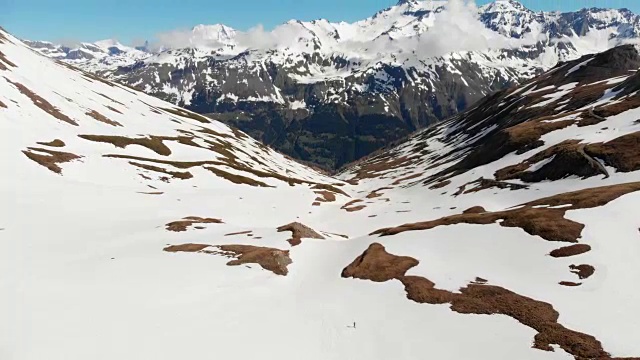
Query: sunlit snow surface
[[85, 277]]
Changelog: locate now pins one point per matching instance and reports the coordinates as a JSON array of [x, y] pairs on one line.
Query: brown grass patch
[[572, 250], [274, 260], [440, 184], [403, 179], [355, 208], [583, 271], [329, 187], [376, 193], [374, 168], [239, 233], [106, 97], [103, 119], [237, 179], [352, 202], [518, 138], [298, 232], [614, 109], [43, 104], [182, 225], [622, 153], [230, 161], [51, 159], [55, 143], [573, 158], [475, 210], [4, 62], [325, 196], [483, 184], [114, 109], [186, 248], [153, 143], [546, 222], [174, 174], [187, 114], [376, 264]]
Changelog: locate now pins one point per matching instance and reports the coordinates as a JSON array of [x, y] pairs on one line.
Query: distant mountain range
[[330, 93]]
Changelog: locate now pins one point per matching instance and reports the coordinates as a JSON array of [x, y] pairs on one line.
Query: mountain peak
[[504, 6]]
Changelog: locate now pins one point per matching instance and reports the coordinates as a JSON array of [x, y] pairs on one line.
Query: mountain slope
[[331, 93], [138, 229]]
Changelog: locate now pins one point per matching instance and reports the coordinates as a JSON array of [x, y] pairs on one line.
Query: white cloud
[[456, 28]]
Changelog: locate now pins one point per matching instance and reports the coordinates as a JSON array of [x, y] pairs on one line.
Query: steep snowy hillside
[[136, 229], [331, 93]]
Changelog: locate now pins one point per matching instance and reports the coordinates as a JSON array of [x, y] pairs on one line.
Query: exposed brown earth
[[546, 222], [403, 179], [182, 225], [174, 174], [186, 248], [325, 196], [376, 264], [108, 98], [569, 283], [239, 233], [525, 136], [236, 179], [483, 184], [330, 188], [475, 210], [274, 260], [43, 104], [153, 143], [573, 158], [298, 232], [572, 250], [376, 193], [566, 158], [55, 143], [51, 159], [350, 203], [2, 105], [230, 161], [440, 184], [187, 114], [103, 119], [114, 109], [583, 271], [622, 153], [5, 63], [355, 208]]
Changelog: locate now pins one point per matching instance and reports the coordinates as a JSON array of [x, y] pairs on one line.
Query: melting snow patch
[[577, 67], [537, 166]]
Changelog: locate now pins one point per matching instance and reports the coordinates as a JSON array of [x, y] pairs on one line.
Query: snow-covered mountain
[[132, 228], [330, 93]]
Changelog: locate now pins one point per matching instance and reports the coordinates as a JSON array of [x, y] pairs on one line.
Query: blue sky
[[132, 21]]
